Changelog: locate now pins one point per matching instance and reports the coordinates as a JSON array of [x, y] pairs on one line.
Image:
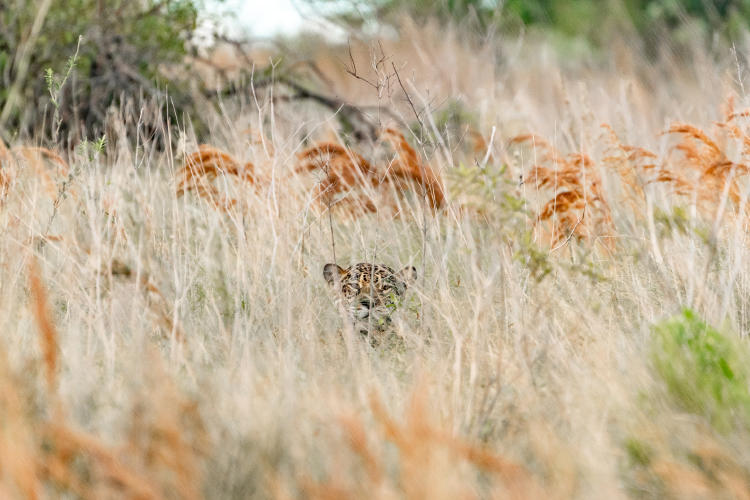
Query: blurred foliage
[[639, 452], [594, 20], [124, 46], [706, 372]]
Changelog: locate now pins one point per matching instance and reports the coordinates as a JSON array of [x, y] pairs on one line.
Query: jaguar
[[369, 293]]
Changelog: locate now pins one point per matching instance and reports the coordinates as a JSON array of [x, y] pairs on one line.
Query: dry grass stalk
[[18, 449], [408, 170], [731, 127], [356, 435], [4, 152], [635, 166], [210, 162], [325, 491], [639, 168], [702, 139], [166, 439], [479, 145], [48, 333], [681, 480], [160, 307], [156, 300], [5, 169], [43, 239]]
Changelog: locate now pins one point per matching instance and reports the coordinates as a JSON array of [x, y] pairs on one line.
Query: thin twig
[[353, 71], [330, 214], [572, 231], [489, 148], [408, 97]]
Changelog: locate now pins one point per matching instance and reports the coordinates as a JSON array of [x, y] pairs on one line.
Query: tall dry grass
[[165, 330]]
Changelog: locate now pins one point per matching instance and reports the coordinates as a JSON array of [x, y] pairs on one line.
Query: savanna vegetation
[[575, 201]]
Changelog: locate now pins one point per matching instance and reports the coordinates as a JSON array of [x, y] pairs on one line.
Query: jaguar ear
[[332, 272], [408, 274]]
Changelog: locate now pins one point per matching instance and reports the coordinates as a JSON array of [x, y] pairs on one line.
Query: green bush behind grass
[[706, 371]]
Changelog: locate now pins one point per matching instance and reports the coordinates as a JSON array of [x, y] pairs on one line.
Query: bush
[[705, 371], [124, 44]]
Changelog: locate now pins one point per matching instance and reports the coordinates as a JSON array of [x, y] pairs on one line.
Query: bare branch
[[408, 97]]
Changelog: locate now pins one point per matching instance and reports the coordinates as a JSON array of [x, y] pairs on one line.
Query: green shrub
[[124, 45], [639, 452], [705, 371]]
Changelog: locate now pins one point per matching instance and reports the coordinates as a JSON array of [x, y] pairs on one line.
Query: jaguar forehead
[[374, 270], [374, 280], [367, 267]]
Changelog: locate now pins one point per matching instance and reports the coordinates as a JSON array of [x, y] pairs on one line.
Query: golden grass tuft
[[202, 167], [697, 166], [354, 184], [706, 171], [571, 184], [348, 178], [349, 181]]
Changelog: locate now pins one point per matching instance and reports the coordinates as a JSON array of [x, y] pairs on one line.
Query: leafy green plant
[[55, 85], [92, 148], [706, 372]]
